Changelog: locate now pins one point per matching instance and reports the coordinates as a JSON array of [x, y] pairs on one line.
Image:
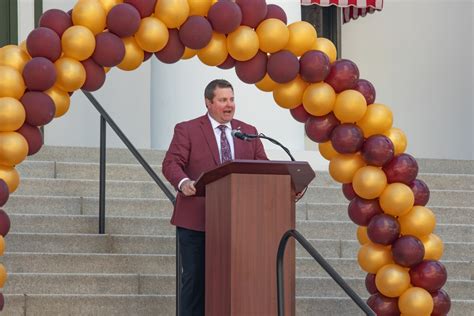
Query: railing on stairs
[[104, 120], [322, 262]]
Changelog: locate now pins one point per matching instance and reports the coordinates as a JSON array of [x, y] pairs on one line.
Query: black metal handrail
[[104, 119], [322, 262]]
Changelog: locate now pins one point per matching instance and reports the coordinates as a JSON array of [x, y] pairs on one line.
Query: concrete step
[[165, 264], [446, 166], [85, 224], [146, 189], [138, 284], [160, 305], [129, 172], [128, 244]]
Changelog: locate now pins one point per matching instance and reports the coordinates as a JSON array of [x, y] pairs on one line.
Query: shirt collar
[[215, 124]]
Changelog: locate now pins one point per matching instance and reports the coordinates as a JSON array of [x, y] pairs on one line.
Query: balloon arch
[[74, 50]]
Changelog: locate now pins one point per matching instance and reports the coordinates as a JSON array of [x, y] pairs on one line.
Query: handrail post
[[103, 130]]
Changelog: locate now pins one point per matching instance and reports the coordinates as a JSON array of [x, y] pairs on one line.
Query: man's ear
[[208, 102]]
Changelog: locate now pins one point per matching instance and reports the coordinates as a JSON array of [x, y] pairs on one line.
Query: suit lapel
[[237, 142], [210, 138]]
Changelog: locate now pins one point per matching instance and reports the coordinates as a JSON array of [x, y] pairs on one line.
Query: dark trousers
[[192, 248]]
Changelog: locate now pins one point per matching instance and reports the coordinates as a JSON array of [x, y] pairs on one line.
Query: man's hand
[[187, 187]]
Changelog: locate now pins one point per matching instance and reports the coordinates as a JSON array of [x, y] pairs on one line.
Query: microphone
[[248, 137]]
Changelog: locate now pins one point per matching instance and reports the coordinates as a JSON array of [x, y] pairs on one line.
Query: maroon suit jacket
[[193, 150]]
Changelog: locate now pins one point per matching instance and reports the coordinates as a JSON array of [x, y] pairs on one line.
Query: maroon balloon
[[382, 305], [442, 303], [225, 16], [109, 50], [343, 75], [95, 75], [300, 114], [253, 11], [44, 42], [383, 229], [4, 192], [253, 70], [57, 20], [174, 49], [146, 55], [370, 283], [283, 66], [377, 150], [39, 74], [39, 108], [408, 251], [319, 128], [421, 192], [314, 66], [361, 210], [4, 223], [144, 7], [2, 301], [402, 168], [276, 12], [429, 274], [367, 90], [123, 20], [347, 138], [348, 191], [33, 137], [228, 63], [196, 32]]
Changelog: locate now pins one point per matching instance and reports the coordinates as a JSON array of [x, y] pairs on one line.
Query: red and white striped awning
[[351, 9]]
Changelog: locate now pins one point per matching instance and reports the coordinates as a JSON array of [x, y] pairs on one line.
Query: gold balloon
[[319, 99], [23, 48], [350, 106], [369, 182], [327, 47], [416, 301], [12, 114], [13, 56], [420, 221], [362, 236], [372, 257], [398, 138], [377, 120], [343, 167], [11, 83], [397, 199], [3, 275], [152, 35], [2, 245], [61, 100], [327, 151], [189, 53], [13, 148], [71, 74], [243, 43], [199, 7], [215, 53], [273, 35], [290, 95], [91, 14], [109, 4], [434, 247], [172, 12], [392, 280], [302, 37], [78, 42], [266, 84], [10, 176], [133, 55]]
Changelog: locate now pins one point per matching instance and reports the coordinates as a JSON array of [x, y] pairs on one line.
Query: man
[[197, 146]]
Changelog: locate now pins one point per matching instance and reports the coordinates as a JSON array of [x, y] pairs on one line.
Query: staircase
[[58, 265]]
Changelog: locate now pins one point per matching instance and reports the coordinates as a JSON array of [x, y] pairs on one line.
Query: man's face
[[222, 106]]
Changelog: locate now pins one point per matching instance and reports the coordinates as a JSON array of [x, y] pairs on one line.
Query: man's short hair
[[211, 86]]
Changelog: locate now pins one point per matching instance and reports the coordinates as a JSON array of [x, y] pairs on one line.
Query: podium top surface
[[300, 171]]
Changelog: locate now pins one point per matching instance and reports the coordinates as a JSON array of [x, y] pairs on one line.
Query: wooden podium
[[249, 206]]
